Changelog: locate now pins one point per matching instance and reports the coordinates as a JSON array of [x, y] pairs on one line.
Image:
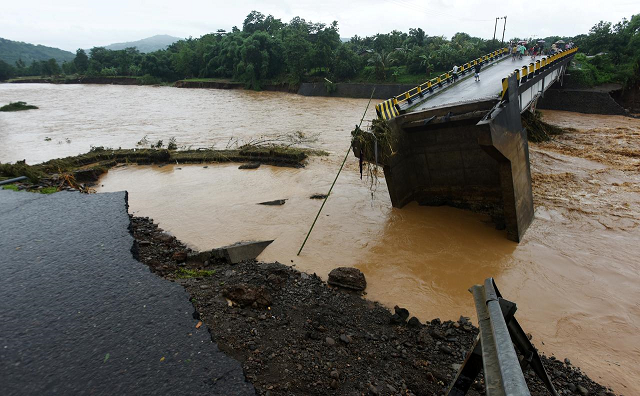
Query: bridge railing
[[533, 70], [390, 108]]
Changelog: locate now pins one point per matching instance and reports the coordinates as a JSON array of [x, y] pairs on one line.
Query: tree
[[381, 60], [297, 52], [6, 71], [346, 63], [81, 61]]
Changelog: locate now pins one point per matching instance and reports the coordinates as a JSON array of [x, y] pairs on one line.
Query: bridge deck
[[469, 90]]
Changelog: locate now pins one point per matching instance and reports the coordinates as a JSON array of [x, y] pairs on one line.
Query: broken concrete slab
[[277, 202], [246, 250]]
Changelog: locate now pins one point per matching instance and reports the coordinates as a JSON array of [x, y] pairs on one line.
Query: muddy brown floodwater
[[575, 276]]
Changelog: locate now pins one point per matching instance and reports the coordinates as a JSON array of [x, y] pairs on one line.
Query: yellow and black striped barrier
[[528, 72], [387, 109], [391, 107]]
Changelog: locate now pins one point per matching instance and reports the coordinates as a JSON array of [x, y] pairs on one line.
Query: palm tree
[[428, 66], [381, 60]]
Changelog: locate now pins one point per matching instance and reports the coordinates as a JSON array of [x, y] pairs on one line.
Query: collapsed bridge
[[454, 141]]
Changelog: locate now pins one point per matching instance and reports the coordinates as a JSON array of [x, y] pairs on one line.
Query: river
[[575, 275]]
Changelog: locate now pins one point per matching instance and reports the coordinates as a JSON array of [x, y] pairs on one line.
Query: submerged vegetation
[[538, 130], [17, 106]]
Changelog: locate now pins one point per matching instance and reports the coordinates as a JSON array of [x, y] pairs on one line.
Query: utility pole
[[494, 29], [504, 29]]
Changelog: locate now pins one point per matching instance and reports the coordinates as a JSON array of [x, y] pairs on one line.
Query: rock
[[567, 361], [250, 165], [277, 202], [345, 338], [456, 366], [347, 277], [144, 243], [414, 322], [373, 390], [164, 237], [180, 257], [334, 384], [330, 341], [335, 374], [571, 387], [247, 295], [446, 349], [396, 319], [318, 196], [582, 390], [402, 312]]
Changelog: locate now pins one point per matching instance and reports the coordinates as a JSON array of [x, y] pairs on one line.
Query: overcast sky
[[72, 24]]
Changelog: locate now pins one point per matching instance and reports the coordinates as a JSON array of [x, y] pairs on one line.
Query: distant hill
[[150, 44], [11, 51]]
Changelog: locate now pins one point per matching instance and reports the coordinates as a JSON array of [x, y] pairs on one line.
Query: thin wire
[[336, 179]]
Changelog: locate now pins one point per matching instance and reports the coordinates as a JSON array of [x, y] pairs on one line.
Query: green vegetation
[[16, 51], [48, 190], [184, 273], [269, 51], [17, 106], [44, 190], [610, 53]]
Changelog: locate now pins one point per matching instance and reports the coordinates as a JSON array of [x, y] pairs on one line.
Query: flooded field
[[574, 277]]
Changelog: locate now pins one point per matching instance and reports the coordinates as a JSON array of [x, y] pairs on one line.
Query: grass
[[17, 106], [45, 190], [48, 190], [184, 273]]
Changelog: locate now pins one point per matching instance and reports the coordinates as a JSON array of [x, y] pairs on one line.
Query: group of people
[[520, 50]]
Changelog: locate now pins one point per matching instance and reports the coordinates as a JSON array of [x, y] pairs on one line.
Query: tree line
[[269, 51]]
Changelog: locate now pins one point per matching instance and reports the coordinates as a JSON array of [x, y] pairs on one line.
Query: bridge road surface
[[467, 90], [78, 315]]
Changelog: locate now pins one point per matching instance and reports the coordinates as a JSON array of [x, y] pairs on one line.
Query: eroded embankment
[[79, 172], [294, 334]]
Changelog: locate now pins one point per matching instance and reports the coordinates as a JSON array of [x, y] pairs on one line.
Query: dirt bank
[[82, 171], [79, 80], [303, 337]]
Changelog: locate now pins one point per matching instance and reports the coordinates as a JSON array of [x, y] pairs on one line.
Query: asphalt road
[[467, 89], [78, 315]]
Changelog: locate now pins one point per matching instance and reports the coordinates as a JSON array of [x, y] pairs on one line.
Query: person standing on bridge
[[477, 70]]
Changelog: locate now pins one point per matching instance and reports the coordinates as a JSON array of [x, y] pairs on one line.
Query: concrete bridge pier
[[457, 156]]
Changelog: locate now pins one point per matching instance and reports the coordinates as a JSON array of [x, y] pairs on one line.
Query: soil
[[296, 335]]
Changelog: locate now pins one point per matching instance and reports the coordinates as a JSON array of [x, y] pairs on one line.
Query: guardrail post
[[493, 351]]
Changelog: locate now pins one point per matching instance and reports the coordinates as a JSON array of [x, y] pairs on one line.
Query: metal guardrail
[[494, 352], [390, 108], [9, 181], [529, 72]]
